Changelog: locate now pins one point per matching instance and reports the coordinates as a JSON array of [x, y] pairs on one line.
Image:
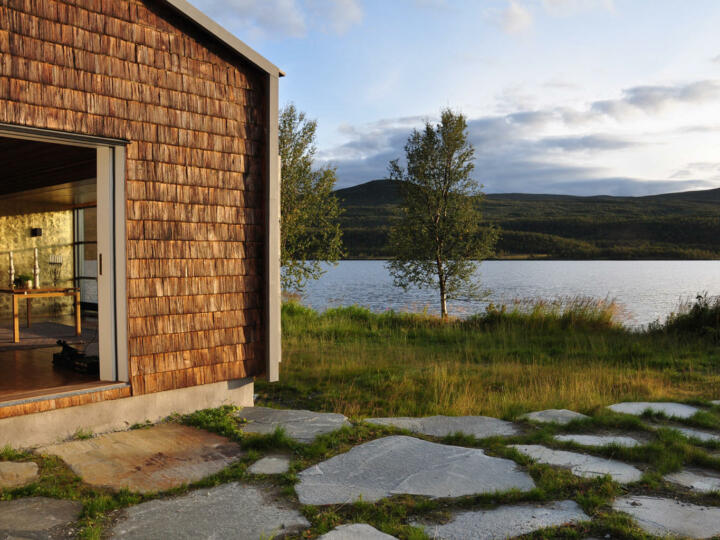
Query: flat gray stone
[[145, 460], [715, 402], [696, 479], [33, 515], [690, 433], [554, 416], [442, 426], [581, 465], [507, 521], [16, 474], [676, 410], [400, 464], [664, 517], [356, 531], [278, 464], [599, 440], [229, 511], [302, 426]]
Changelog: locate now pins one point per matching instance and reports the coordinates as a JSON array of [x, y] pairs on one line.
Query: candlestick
[[11, 271]]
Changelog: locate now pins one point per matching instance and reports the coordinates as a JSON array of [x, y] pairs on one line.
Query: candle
[[11, 271], [36, 271]]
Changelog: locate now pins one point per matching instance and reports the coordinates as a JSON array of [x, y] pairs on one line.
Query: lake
[[647, 290]]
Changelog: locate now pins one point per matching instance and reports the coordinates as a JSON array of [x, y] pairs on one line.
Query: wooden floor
[[29, 373], [26, 368]]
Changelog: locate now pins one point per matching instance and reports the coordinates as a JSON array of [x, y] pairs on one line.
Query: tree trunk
[[443, 292]]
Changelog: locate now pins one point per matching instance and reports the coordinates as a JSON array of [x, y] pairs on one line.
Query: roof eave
[[206, 23]]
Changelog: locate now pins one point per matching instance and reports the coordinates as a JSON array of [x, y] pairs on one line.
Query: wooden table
[[43, 292]]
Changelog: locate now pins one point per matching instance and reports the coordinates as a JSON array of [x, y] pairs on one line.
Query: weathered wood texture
[[195, 115], [63, 402]]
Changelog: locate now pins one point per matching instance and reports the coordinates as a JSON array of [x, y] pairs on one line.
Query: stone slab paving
[[37, 517], [691, 433], [715, 402], [356, 531], [302, 426], [554, 416], [696, 479], [150, 459], [664, 517], [273, 464], [406, 465], [677, 410], [442, 426], [16, 474], [599, 440], [507, 521], [229, 511], [581, 464]]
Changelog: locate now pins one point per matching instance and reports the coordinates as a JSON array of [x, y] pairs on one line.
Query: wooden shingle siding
[[195, 115]]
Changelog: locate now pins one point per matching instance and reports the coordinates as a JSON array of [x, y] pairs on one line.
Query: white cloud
[[569, 7], [336, 15], [257, 19], [516, 18]]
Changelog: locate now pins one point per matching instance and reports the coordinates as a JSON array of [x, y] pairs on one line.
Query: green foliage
[[700, 318], [437, 240], [673, 226], [310, 232]]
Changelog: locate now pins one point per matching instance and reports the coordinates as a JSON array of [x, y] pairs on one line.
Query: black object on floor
[[71, 358]]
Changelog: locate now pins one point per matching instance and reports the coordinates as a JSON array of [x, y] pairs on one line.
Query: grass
[[502, 363], [507, 361]]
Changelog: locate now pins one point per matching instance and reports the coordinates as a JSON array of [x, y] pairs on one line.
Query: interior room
[[48, 269]]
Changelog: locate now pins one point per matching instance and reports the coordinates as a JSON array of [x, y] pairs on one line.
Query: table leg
[[16, 320], [78, 323], [29, 304]]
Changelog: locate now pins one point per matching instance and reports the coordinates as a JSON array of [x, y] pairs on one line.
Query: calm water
[[648, 290]]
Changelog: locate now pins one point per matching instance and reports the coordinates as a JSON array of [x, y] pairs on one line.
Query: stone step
[[300, 425], [554, 416], [599, 440], [672, 410], [698, 480]]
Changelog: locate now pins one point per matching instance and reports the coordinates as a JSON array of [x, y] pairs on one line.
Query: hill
[[682, 225]]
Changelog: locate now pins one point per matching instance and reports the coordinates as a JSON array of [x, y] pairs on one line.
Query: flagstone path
[[169, 455], [229, 511], [507, 521], [599, 440], [672, 410], [406, 465], [554, 416], [17, 474], [356, 531], [302, 426], [663, 517], [442, 426], [149, 459], [582, 465], [37, 517]]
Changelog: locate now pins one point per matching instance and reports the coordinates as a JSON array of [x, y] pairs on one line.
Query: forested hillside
[[672, 226]]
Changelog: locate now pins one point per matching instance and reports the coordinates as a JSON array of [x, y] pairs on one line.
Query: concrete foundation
[[54, 426]]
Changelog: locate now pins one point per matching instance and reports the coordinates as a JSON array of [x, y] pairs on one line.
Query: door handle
[[100, 264]]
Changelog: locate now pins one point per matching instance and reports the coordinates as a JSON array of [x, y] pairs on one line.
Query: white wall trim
[[121, 299], [273, 291]]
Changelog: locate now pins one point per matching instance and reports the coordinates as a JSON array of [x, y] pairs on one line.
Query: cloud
[[516, 18], [337, 16], [570, 7], [258, 19], [716, 59], [551, 150], [653, 99]]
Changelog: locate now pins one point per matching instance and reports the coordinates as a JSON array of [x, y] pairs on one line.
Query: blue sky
[[617, 97]]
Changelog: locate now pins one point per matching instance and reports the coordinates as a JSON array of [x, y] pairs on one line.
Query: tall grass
[[573, 353]]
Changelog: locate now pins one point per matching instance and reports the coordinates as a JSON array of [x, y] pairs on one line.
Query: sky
[[582, 97]]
